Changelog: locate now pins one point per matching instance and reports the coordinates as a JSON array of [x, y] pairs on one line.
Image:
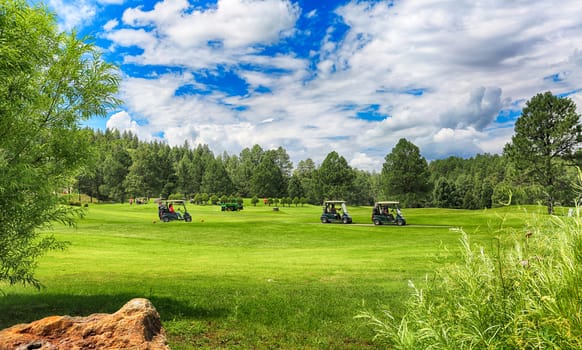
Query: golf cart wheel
[[345, 221], [188, 218], [165, 219], [377, 222], [324, 221], [400, 222]]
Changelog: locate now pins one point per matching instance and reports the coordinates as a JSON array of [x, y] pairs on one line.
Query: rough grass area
[[257, 278], [524, 293]]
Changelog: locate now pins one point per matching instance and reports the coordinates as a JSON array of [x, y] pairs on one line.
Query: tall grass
[[523, 292]]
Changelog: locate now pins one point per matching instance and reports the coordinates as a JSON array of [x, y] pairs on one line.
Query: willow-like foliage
[[51, 81]]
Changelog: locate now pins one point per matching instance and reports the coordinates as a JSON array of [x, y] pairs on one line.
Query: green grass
[[252, 279]]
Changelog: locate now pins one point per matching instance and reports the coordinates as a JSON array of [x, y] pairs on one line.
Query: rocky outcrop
[[136, 326]]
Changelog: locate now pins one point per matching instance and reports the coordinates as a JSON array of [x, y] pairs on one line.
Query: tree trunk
[[550, 205]]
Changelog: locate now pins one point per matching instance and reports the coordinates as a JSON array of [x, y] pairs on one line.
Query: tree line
[[125, 167]]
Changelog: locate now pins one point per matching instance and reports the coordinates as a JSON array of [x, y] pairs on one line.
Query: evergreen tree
[[216, 180], [185, 175], [148, 172], [115, 170], [405, 175], [445, 194], [483, 172], [249, 159], [232, 165], [334, 178], [306, 172], [295, 188], [268, 179], [361, 193], [284, 163], [201, 158], [548, 132]]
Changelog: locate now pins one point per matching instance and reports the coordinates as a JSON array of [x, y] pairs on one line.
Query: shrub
[[528, 296]]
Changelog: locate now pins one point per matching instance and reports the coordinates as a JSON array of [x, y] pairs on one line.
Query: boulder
[[136, 326]]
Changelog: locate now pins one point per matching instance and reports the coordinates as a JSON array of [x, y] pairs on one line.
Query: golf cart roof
[[387, 202], [177, 201], [334, 202]]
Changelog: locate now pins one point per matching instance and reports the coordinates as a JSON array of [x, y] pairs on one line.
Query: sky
[[315, 76]]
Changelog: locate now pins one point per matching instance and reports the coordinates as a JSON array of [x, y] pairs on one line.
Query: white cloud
[[110, 25], [72, 15], [364, 161], [495, 140], [235, 23], [111, 2], [438, 70], [173, 34], [478, 111], [469, 58], [122, 121]]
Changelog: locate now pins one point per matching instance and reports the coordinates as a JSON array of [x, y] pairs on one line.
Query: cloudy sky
[[313, 76]]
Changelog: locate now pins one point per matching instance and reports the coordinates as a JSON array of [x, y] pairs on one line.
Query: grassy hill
[[257, 278]]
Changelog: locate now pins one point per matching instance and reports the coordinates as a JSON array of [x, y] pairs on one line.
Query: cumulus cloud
[[457, 142], [179, 34], [480, 109], [447, 75], [110, 25], [122, 121], [364, 161], [73, 14]]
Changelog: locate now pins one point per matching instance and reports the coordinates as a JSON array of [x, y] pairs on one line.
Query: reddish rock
[[136, 326]]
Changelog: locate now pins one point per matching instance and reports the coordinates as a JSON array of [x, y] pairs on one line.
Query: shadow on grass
[[25, 308]]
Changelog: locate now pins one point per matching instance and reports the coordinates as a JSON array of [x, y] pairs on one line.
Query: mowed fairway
[[257, 278]]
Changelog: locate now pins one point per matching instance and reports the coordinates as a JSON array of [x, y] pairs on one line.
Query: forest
[[124, 167]]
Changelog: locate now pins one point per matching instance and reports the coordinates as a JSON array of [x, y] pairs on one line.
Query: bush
[[525, 297]]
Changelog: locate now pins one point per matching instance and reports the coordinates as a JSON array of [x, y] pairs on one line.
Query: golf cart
[[387, 212], [231, 206], [335, 211], [167, 210]]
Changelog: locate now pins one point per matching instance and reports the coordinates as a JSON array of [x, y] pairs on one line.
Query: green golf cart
[[387, 212], [170, 210], [335, 212]]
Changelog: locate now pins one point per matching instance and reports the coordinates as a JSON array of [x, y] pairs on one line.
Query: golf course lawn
[[257, 278]]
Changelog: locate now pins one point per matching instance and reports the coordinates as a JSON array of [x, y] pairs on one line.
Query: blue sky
[[316, 76]]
